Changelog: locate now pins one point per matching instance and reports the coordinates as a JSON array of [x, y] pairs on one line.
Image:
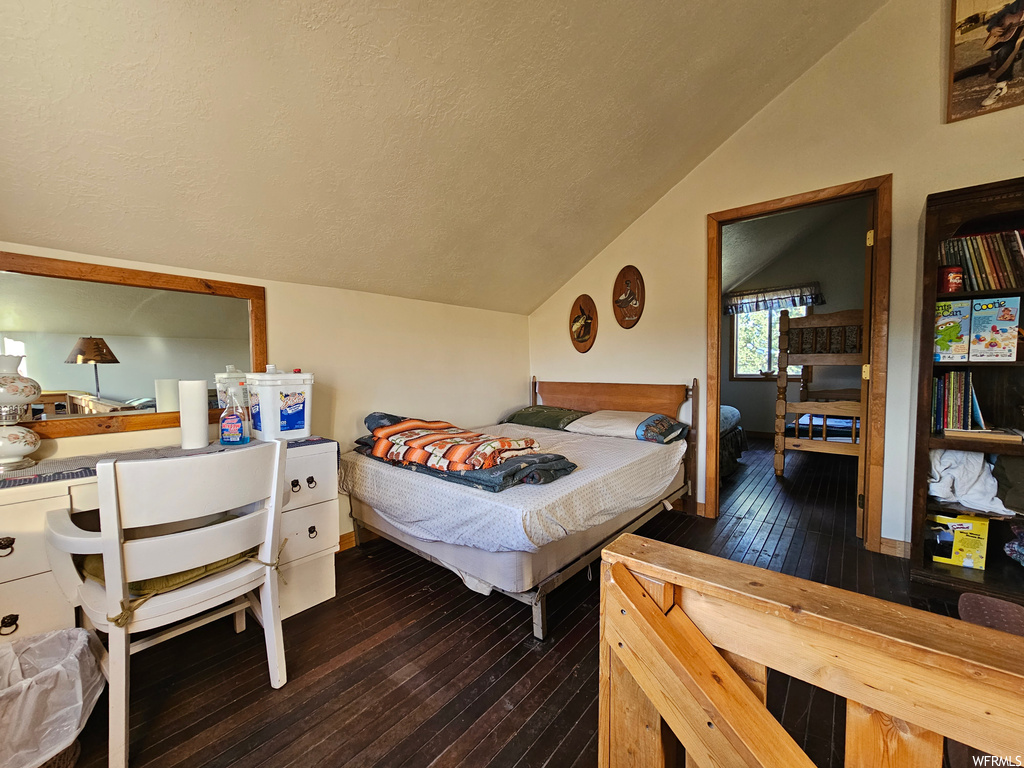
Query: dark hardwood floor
[[407, 667]]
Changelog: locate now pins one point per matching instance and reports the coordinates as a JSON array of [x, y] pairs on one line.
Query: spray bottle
[[234, 422]]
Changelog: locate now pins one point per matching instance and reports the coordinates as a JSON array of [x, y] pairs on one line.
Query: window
[[755, 344]]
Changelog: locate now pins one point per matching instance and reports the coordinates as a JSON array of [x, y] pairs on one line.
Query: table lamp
[[93, 351]]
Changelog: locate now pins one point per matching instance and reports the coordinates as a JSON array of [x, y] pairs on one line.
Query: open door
[[875, 337]]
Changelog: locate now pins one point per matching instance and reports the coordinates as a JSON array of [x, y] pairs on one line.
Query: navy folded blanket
[[532, 469]]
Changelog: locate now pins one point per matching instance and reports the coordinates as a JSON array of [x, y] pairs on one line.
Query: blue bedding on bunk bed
[[732, 441], [838, 427]]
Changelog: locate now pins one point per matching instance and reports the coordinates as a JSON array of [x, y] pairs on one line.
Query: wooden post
[[638, 738], [876, 739], [780, 401]]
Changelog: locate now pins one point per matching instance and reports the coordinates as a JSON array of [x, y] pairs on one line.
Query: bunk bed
[[822, 420]]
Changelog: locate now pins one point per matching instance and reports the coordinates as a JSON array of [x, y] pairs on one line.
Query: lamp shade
[[91, 349]]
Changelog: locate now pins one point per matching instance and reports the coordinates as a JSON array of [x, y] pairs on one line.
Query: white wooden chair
[[176, 494]]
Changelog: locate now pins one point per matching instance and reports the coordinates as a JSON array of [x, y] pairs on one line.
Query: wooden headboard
[[666, 399]]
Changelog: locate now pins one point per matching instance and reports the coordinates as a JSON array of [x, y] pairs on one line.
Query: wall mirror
[[158, 327]]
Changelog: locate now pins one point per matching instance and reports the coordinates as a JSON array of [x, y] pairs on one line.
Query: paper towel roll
[[166, 395], [194, 407]]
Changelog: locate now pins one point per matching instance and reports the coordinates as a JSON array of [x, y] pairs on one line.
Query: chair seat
[[209, 592]]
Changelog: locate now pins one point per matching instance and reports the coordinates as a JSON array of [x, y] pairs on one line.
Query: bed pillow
[[635, 425], [546, 416]]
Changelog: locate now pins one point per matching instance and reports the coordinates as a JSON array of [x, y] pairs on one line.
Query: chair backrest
[[164, 516]]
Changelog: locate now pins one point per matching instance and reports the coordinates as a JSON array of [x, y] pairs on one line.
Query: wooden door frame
[[879, 190]]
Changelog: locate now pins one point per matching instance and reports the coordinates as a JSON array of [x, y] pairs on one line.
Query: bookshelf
[[999, 385]]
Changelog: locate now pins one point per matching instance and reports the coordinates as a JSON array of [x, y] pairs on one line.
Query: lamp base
[[16, 443], [24, 463]]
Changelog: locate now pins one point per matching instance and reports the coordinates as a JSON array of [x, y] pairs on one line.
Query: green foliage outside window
[[756, 342]]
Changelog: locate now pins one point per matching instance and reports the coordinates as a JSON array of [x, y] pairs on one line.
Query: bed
[[527, 540], [732, 441], [823, 420]]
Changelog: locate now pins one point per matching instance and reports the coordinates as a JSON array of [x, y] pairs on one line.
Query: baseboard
[[761, 435], [347, 541], [896, 548], [700, 509]]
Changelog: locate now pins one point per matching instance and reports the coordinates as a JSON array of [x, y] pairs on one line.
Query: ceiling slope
[[471, 153], [750, 246]]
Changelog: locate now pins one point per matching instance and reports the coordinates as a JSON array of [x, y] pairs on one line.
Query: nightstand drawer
[[310, 478], [306, 583], [32, 605], [309, 530], [22, 537]]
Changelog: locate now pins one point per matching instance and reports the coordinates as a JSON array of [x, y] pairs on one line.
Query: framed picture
[[986, 73], [583, 323], [628, 296]]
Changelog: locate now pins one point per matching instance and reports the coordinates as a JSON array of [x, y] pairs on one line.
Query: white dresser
[[31, 602]]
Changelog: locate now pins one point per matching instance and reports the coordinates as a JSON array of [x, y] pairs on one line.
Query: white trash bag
[[49, 684]]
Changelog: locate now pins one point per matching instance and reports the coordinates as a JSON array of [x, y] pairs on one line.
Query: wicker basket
[[65, 759]]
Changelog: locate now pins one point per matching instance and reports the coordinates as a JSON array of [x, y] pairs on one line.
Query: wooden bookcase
[[999, 386]]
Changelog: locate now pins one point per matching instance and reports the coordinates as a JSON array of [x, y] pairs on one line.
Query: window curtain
[[804, 295]]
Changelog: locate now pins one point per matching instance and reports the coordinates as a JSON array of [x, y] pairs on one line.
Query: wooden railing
[[687, 638]]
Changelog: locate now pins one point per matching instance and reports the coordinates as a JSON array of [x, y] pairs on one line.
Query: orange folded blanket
[[442, 446]]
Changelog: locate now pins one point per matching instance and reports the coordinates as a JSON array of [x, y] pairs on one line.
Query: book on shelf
[[976, 417], [990, 435], [952, 330], [994, 327], [954, 403], [993, 261]]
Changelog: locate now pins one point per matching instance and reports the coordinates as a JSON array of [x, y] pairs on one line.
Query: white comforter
[[614, 475]]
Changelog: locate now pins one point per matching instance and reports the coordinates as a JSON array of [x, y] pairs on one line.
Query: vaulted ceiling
[[751, 246], [473, 153]]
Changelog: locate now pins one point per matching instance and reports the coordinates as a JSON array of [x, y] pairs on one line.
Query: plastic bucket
[[230, 379], [280, 404]]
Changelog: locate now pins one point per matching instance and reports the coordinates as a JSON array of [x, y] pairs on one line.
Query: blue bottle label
[[231, 429], [293, 411]]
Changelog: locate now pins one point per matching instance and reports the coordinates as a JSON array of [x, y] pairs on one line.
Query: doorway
[[869, 199]]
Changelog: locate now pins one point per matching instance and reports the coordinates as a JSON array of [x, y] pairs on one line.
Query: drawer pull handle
[[313, 533], [7, 543], [311, 482], [9, 624], [296, 486]]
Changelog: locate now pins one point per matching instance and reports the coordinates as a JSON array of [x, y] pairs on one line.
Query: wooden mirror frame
[[97, 273]]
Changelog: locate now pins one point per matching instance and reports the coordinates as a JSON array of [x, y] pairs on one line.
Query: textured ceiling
[[474, 153]]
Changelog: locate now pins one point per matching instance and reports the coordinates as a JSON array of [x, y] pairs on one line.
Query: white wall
[[871, 106], [368, 353], [832, 255]]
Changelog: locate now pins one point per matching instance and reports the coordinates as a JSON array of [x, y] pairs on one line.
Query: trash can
[[49, 684]]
